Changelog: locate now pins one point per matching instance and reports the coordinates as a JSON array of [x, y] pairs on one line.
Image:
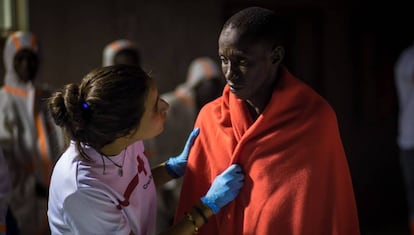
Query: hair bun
[[65, 107]]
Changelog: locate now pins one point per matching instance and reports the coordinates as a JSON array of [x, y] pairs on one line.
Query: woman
[[102, 184]]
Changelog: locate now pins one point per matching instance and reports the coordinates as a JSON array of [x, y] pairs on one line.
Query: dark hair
[[108, 104], [258, 23]]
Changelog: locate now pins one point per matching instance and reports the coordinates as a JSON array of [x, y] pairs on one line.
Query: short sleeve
[[90, 211]]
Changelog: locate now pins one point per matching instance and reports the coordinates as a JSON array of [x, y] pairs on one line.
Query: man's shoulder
[[308, 96], [212, 105]]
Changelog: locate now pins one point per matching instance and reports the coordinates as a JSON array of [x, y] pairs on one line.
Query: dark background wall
[[343, 49], [169, 33]]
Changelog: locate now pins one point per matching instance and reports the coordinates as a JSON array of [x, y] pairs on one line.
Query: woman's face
[[152, 122]]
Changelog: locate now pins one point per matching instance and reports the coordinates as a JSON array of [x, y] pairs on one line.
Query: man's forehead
[[241, 46]]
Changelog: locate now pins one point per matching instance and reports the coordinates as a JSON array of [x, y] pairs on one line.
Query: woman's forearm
[[191, 222], [160, 175]]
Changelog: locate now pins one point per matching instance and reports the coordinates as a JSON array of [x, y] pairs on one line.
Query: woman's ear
[[278, 53]]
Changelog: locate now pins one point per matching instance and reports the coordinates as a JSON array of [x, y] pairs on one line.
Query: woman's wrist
[[198, 216], [201, 213], [170, 170], [204, 209]]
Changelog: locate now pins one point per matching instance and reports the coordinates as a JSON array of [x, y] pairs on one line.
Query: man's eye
[[243, 62], [224, 60]]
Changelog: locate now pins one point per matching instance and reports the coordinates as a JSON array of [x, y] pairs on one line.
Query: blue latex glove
[[224, 189], [176, 165]]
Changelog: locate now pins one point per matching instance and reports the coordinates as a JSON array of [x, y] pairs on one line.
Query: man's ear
[[278, 53]]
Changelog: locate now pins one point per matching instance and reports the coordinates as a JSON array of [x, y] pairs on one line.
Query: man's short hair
[[258, 23]]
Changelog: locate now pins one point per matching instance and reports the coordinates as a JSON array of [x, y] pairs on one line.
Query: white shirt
[[92, 198]]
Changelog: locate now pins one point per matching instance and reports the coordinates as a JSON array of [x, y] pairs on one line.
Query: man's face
[[26, 64], [246, 64]]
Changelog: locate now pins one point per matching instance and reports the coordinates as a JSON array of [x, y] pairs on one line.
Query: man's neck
[[253, 110], [257, 105]]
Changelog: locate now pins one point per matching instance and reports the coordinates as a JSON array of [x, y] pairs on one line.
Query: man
[[29, 138], [404, 80], [283, 134]]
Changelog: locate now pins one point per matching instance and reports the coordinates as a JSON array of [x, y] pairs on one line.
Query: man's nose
[[231, 73]]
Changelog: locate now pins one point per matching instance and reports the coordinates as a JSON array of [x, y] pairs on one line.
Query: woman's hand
[[176, 165], [224, 189]]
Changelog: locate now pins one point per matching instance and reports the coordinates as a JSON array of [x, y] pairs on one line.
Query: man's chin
[[239, 94]]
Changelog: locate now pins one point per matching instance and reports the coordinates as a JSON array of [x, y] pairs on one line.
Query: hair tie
[[85, 105]]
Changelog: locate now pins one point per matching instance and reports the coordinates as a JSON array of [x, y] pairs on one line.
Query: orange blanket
[[297, 179]]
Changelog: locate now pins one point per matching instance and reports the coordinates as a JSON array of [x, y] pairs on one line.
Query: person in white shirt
[[404, 81], [30, 140], [103, 183]]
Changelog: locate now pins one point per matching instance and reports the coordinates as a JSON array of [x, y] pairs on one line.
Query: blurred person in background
[[121, 51], [29, 138], [404, 81]]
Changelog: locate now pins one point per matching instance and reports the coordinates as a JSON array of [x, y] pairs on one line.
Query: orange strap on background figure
[[15, 91], [41, 132], [42, 140]]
